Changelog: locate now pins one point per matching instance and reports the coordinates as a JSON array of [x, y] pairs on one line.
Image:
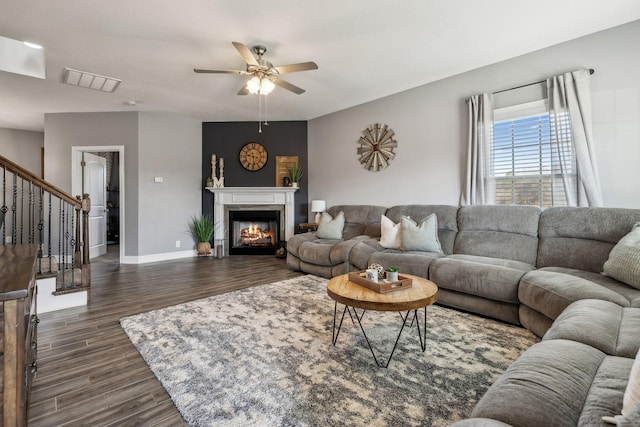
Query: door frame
[[76, 180]]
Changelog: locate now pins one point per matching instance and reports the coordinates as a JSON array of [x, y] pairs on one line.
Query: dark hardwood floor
[[90, 374]]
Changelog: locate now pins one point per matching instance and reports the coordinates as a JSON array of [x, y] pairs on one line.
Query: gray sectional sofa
[[521, 265]]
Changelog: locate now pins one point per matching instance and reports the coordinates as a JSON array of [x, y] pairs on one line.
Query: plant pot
[[295, 185], [391, 276], [204, 248]]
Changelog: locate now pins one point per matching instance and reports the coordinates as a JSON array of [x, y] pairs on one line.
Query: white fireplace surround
[[251, 198]]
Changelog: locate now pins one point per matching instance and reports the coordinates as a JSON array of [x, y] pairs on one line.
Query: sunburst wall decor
[[376, 147]]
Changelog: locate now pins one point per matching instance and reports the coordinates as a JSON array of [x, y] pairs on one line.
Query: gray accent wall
[[430, 123], [280, 138], [23, 147]]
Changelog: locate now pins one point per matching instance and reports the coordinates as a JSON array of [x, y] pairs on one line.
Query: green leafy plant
[[295, 172], [201, 228], [393, 268]]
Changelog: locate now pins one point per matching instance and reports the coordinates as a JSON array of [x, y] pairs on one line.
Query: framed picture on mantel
[[283, 163]]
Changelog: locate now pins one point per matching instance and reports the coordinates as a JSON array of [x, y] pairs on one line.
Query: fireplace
[[253, 232], [229, 199]]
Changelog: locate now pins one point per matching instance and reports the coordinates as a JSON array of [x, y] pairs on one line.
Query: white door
[[95, 184]]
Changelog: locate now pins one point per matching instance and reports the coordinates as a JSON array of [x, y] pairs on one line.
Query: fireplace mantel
[[223, 197]]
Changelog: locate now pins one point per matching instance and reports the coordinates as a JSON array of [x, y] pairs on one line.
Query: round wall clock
[[253, 156], [376, 147]]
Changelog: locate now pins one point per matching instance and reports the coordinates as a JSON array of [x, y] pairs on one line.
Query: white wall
[[65, 130], [22, 147], [170, 147], [156, 144], [430, 123]]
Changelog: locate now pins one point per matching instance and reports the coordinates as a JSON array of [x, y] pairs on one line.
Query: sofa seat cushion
[[628, 292], [550, 290], [327, 252], [559, 383], [601, 324], [409, 262], [491, 278]]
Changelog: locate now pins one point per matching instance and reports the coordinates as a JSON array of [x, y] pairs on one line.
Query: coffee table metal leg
[[404, 321], [334, 333], [422, 335]]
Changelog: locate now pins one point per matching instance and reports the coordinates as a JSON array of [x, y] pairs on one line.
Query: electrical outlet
[[177, 243], [8, 239]]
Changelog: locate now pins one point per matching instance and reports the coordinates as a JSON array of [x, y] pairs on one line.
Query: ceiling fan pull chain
[[266, 110], [259, 113]]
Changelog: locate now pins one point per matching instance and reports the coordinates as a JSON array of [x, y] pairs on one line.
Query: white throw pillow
[[632, 393], [423, 237], [329, 227], [389, 233], [624, 259], [631, 399]]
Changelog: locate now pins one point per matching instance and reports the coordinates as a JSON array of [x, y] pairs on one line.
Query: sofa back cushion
[[447, 220], [498, 231], [359, 220], [582, 238]]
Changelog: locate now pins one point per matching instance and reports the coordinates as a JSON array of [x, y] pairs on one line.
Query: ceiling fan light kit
[[260, 85], [264, 76]]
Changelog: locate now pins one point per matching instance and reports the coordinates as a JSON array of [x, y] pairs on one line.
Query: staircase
[[35, 212]]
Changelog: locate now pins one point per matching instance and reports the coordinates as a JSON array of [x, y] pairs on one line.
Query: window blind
[[526, 166]]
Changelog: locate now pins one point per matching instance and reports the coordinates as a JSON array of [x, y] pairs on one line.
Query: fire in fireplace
[[254, 235], [253, 232]]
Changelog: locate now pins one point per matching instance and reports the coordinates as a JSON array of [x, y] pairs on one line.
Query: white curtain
[[480, 184], [570, 101]]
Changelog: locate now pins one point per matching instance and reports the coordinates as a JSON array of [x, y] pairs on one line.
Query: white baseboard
[[48, 302], [143, 259]]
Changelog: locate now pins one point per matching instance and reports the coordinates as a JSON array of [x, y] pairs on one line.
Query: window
[[525, 164]]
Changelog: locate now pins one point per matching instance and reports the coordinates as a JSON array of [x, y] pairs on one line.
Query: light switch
[[158, 179]]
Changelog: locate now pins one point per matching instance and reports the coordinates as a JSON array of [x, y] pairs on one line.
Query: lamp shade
[[318, 206], [266, 86], [253, 85]]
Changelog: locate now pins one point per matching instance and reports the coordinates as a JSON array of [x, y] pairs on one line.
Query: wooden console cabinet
[[18, 331]]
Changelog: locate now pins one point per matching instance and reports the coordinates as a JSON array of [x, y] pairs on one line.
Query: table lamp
[[318, 206]]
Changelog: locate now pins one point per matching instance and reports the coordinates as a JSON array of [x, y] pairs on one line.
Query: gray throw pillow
[[624, 259], [423, 237], [329, 227]]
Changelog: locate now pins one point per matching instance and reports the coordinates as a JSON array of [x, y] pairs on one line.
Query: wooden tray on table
[[382, 286]]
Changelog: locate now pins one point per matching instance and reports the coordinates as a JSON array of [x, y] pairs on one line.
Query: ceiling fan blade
[[288, 86], [245, 52], [199, 70], [294, 68], [243, 91]]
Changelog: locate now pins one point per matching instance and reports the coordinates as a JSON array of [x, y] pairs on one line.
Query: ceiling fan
[[264, 74]]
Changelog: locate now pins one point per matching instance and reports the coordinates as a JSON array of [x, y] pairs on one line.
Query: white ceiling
[[365, 49]]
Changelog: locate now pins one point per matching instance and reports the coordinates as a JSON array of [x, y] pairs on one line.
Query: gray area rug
[[263, 356]]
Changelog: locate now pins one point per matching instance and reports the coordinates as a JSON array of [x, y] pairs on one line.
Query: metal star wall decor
[[376, 147]]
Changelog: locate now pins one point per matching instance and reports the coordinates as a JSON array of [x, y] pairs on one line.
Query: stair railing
[[35, 212]]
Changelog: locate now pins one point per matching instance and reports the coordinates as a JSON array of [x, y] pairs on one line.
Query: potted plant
[[295, 174], [391, 273], [202, 231], [209, 182]]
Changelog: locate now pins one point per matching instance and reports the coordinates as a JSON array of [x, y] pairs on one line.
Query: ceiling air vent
[[90, 80]]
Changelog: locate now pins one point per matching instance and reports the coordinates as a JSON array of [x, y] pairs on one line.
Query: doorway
[[110, 202]]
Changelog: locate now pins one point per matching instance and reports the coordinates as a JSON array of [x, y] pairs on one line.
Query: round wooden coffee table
[[422, 294]]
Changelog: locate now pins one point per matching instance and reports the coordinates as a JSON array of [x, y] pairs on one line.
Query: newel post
[[86, 265], [77, 256]]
